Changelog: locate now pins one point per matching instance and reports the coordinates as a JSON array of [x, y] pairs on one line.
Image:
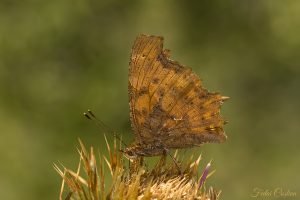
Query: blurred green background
[[60, 58]]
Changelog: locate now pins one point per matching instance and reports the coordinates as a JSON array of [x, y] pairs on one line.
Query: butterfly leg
[[160, 164], [166, 151], [135, 164]]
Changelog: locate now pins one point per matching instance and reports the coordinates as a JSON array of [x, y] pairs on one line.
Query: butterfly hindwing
[[167, 101]]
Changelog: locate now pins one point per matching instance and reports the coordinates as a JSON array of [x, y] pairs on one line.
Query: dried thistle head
[[135, 181]]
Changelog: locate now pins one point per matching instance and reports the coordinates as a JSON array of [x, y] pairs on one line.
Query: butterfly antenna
[[91, 116]]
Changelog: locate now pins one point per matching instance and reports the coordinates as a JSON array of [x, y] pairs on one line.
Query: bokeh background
[[60, 58]]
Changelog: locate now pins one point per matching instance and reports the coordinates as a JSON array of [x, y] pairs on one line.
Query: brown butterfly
[[169, 108]]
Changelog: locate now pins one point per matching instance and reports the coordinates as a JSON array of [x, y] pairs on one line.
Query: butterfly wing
[[167, 101]]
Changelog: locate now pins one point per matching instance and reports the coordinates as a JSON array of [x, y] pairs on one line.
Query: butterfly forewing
[[167, 101]]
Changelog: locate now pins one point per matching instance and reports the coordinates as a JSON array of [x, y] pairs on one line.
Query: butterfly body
[[145, 150], [169, 108]]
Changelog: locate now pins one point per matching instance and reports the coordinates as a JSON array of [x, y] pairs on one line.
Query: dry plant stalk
[[163, 181]]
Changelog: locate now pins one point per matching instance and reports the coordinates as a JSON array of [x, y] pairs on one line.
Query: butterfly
[[169, 107]]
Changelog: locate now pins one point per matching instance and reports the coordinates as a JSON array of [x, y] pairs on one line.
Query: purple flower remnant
[[204, 174]]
